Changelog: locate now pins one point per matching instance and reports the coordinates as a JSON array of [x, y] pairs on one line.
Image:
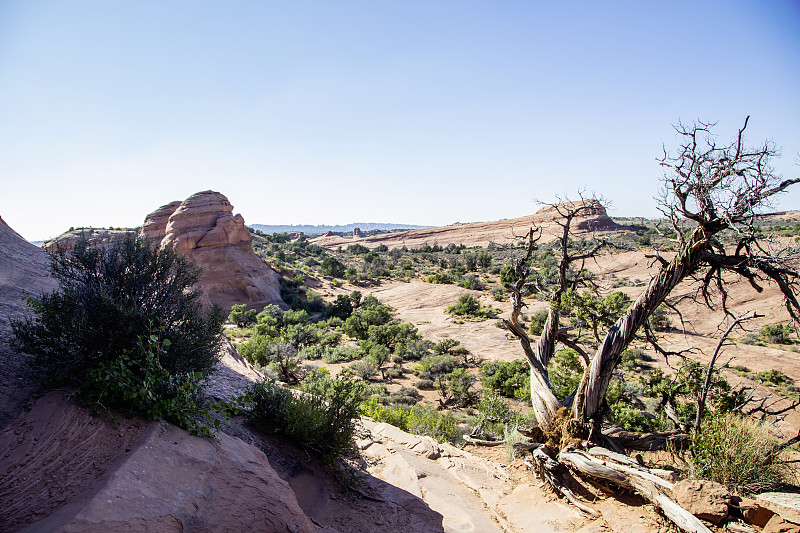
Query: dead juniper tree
[[711, 195]]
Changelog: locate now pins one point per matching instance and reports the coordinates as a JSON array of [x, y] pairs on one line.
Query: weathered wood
[[647, 442], [634, 480], [479, 442], [554, 473]]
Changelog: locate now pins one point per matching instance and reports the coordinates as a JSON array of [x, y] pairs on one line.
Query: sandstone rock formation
[[357, 232], [64, 470], [24, 268], [481, 233], [204, 228], [95, 237], [155, 225]]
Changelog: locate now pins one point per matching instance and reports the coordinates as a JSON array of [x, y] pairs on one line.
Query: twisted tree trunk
[[594, 383]]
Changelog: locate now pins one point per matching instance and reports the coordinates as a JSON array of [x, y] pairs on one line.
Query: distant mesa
[[204, 228], [593, 219], [327, 229]]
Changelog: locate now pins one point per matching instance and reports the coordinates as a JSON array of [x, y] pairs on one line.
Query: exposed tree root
[[634, 477], [598, 463], [555, 474]]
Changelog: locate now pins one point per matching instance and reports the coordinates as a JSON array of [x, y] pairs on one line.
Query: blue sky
[[422, 112]]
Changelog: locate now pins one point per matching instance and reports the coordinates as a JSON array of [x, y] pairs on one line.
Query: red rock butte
[[204, 229]]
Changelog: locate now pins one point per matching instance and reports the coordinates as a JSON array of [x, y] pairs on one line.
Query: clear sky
[[408, 111]]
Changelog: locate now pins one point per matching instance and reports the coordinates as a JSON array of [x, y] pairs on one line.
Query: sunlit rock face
[[204, 229]]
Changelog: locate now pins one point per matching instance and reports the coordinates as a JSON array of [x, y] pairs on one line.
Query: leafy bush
[[332, 267], [777, 334], [469, 306], [416, 419], [436, 365], [440, 278], [136, 383], [264, 351], [739, 453], [322, 421], [537, 322], [565, 372], [495, 416], [498, 293], [455, 388], [506, 378], [241, 316], [363, 369], [472, 283], [100, 322], [773, 377]]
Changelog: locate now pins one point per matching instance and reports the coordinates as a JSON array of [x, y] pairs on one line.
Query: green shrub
[[363, 369], [469, 306], [537, 321], [321, 421], [773, 377], [416, 419], [101, 320], [241, 316], [342, 354], [498, 293], [565, 372], [739, 453], [777, 334], [495, 416], [136, 383], [472, 283], [436, 365], [440, 278], [264, 351], [456, 388], [506, 378]]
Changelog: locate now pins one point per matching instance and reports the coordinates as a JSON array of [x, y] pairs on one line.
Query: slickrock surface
[[784, 504], [23, 268], [204, 228], [470, 493]]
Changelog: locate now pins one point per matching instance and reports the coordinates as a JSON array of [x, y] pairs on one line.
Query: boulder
[[777, 524], [751, 511], [707, 500], [204, 229]]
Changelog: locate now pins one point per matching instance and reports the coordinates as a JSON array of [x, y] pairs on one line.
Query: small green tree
[[241, 316]]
